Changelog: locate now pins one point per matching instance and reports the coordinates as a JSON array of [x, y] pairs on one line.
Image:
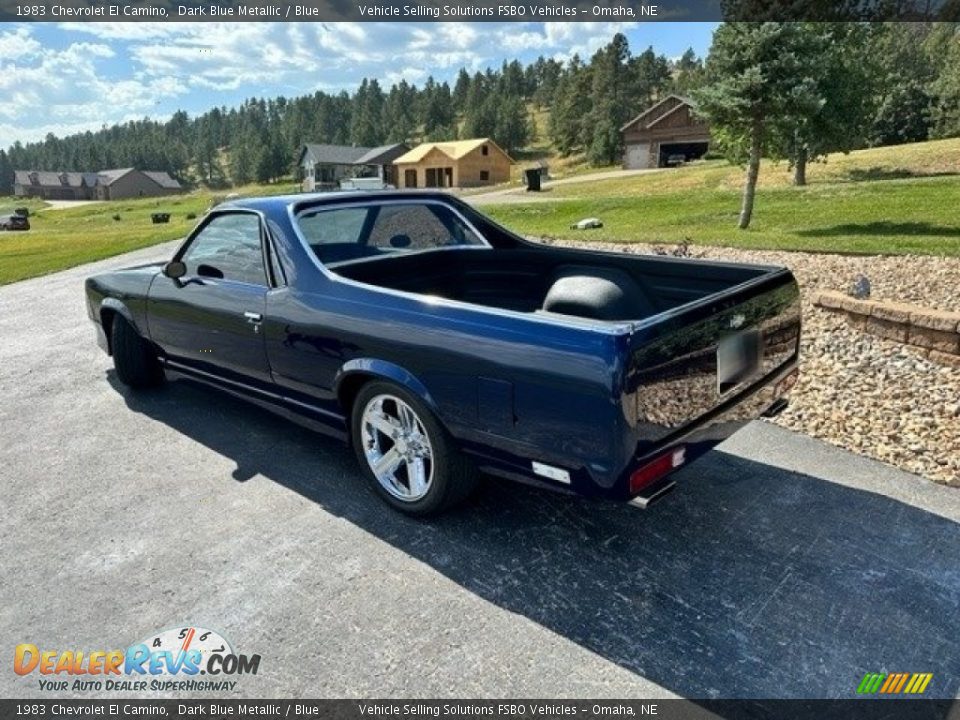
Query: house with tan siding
[[458, 163]]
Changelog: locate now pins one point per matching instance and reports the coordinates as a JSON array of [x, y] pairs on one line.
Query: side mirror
[[175, 269]]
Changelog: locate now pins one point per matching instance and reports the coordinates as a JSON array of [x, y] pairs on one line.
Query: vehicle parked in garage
[[15, 221], [441, 344]]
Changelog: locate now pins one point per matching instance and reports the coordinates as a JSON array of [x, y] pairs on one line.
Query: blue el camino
[[441, 345]]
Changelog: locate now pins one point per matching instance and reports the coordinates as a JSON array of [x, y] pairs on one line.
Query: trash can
[[533, 179]]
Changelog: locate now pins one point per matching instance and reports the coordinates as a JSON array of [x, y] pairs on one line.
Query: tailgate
[[690, 361]]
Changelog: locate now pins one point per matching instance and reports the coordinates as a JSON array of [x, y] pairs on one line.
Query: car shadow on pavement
[[748, 581]]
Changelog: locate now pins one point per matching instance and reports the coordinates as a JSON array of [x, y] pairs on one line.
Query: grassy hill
[[887, 200]]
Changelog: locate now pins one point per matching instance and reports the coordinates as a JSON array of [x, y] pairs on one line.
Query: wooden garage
[[666, 134]]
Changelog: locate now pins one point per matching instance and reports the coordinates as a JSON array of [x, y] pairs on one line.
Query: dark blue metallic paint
[[585, 396]]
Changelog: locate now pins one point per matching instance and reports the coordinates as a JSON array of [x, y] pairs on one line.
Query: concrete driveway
[[781, 567], [520, 195]]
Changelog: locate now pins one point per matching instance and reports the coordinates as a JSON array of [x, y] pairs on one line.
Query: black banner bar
[[476, 10], [861, 709]]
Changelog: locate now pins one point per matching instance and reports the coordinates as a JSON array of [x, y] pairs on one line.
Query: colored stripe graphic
[[870, 683], [894, 683], [918, 683], [903, 679]]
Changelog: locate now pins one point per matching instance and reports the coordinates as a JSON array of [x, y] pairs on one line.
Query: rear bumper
[[764, 397], [767, 398]]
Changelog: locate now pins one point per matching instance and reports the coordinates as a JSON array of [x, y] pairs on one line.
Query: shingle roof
[[162, 179], [455, 149], [335, 154], [73, 179], [49, 179], [108, 177], [382, 154]]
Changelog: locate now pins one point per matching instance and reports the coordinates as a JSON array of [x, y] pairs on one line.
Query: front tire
[[406, 454], [134, 359]]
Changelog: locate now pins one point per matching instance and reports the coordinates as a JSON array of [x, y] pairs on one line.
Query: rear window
[[343, 234]]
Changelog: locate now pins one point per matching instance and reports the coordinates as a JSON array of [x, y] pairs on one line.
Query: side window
[[419, 227], [228, 247], [342, 225]]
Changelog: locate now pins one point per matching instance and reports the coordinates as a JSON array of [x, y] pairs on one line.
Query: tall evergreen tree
[[610, 101], [760, 76]]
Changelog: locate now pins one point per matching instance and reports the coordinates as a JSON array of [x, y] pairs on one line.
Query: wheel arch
[[357, 373], [110, 308]]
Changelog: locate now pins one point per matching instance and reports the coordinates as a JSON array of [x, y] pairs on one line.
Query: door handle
[[253, 317]]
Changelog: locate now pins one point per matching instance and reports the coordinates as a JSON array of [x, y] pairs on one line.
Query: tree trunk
[[800, 167], [753, 170]]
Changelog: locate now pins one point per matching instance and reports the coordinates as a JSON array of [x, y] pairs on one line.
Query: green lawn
[[891, 217], [886, 200], [63, 238]]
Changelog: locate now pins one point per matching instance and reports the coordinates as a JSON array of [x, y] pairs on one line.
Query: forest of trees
[[820, 88]]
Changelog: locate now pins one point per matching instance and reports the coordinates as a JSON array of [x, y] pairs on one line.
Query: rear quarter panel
[[506, 387]]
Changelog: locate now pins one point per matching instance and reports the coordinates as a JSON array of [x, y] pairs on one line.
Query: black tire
[[453, 477], [134, 359]]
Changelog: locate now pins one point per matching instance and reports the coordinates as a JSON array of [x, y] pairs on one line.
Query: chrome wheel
[[396, 447]]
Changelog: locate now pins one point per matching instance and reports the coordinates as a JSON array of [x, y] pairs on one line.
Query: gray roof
[[162, 179], [108, 177], [334, 154], [73, 179], [383, 154], [44, 178], [48, 179]]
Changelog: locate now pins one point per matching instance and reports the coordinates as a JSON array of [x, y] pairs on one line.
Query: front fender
[[382, 369], [117, 306]]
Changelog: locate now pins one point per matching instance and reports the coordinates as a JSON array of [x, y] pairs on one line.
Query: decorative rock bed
[[935, 332]]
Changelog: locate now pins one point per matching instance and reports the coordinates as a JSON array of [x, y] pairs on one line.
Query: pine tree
[[760, 76], [568, 118], [610, 101], [511, 129]]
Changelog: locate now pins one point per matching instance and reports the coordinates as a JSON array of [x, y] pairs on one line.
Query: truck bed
[[522, 279]]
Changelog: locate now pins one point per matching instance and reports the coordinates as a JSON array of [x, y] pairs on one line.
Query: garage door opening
[[674, 154]]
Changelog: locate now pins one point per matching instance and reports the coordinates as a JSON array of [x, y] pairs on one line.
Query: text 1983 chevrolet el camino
[[440, 344]]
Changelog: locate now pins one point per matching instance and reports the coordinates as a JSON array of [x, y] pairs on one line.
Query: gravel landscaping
[[873, 396]]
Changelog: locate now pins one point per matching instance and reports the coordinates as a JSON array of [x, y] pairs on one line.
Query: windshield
[[342, 234]]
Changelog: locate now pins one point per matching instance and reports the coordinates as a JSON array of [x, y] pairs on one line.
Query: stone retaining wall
[[935, 331]]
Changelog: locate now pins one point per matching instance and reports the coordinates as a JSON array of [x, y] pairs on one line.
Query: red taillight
[[653, 471]]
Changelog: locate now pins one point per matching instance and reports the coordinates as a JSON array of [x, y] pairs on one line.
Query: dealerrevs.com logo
[[172, 660]]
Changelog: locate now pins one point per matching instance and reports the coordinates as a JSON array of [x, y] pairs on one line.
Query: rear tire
[[134, 359], [407, 455]]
